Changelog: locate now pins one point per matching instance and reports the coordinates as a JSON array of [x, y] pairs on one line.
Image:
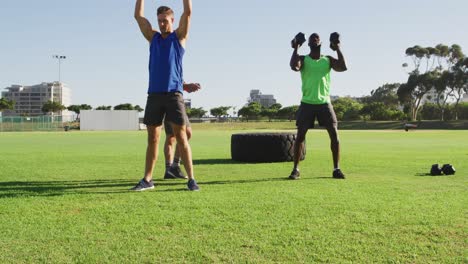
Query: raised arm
[[143, 23], [296, 60], [339, 64], [184, 24]]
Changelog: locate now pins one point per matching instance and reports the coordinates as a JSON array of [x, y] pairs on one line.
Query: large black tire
[[264, 147]]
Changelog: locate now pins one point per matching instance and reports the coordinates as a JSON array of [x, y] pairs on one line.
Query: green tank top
[[316, 80]]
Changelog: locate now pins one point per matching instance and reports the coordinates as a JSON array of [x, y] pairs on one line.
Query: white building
[[464, 98], [431, 97], [30, 99], [109, 120], [266, 100]]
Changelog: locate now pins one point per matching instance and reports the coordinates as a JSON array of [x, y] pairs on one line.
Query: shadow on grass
[[15, 189], [56, 188], [230, 161], [255, 180], [215, 161], [425, 174]]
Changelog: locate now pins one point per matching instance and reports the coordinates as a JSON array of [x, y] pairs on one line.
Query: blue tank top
[[165, 64]]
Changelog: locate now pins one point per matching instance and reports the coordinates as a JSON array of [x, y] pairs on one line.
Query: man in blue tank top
[[165, 101]]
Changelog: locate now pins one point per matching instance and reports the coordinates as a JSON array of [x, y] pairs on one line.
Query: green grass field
[[64, 198]]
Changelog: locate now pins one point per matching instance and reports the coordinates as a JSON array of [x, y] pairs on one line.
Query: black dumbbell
[[448, 169], [334, 40], [298, 40], [436, 170]]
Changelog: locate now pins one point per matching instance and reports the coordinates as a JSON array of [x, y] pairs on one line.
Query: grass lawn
[[64, 198]]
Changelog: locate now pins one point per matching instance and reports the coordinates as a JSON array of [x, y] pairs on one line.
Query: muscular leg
[[334, 145], [184, 147], [169, 148], [152, 150], [299, 146], [177, 151]]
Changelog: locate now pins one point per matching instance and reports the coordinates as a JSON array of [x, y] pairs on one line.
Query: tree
[[103, 107], [438, 60], [138, 108], [52, 107], [196, 112], [386, 94], [444, 87], [220, 111], [460, 82], [380, 111], [271, 111], [288, 112], [6, 104], [347, 109], [252, 110], [412, 92], [77, 109], [126, 106]]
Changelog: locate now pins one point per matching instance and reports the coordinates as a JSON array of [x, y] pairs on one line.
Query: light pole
[[59, 58]]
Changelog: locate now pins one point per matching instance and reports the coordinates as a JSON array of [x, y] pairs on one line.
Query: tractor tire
[[264, 147]]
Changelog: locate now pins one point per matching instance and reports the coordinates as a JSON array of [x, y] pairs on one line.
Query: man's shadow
[[15, 189]]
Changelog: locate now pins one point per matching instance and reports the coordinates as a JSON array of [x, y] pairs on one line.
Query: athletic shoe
[[192, 185], [174, 173], [143, 186], [168, 175], [337, 174], [295, 175]]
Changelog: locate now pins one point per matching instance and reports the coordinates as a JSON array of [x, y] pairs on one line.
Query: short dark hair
[[165, 10]]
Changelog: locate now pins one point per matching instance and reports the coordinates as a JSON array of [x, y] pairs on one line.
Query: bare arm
[[184, 24], [296, 61], [191, 87], [339, 64], [143, 23]]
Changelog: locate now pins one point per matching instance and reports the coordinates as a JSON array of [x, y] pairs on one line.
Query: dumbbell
[[298, 40], [447, 169], [334, 40], [436, 170]]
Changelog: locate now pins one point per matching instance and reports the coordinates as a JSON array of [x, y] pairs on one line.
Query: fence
[[36, 123]]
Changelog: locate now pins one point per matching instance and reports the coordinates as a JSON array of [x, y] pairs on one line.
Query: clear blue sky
[[234, 46]]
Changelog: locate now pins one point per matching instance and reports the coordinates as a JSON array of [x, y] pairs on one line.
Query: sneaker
[[143, 186], [295, 175], [168, 175], [174, 173], [192, 185], [337, 174]]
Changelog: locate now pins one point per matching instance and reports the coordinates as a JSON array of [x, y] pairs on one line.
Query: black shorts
[[168, 127], [164, 106], [307, 113]]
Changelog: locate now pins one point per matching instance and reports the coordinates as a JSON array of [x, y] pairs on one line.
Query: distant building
[[30, 99], [266, 100], [431, 97], [188, 103]]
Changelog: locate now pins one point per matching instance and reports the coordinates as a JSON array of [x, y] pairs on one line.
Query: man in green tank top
[[315, 73]]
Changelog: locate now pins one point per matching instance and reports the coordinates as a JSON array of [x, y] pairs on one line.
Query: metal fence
[[36, 123]]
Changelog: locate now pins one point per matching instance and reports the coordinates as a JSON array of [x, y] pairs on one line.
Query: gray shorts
[[168, 127], [307, 113], [164, 106]]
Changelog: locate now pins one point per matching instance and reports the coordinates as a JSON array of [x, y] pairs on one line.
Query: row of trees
[[441, 68], [53, 107]]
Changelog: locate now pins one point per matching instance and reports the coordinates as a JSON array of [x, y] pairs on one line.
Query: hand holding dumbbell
[[298, 40], [334, 41]]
